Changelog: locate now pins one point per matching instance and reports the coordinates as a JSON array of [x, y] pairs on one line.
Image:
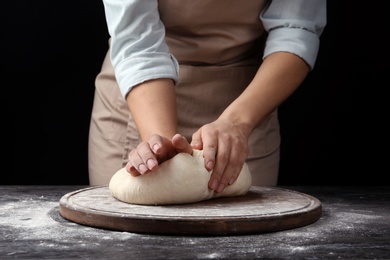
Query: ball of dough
[[182, 179]]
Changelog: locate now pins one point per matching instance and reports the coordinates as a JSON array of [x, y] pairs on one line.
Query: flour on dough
[[182, 179]]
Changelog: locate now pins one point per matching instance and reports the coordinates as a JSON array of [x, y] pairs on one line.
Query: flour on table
[[182, 179]]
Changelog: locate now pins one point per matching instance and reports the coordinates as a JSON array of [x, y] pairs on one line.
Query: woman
[[200, 74]]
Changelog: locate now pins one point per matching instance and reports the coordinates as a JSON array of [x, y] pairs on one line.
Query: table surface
[[355, 223]]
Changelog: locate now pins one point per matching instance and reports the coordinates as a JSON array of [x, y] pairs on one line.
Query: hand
[[225, 149], [156, 150]]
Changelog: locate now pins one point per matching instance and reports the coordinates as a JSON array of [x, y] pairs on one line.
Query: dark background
[[333, 126]]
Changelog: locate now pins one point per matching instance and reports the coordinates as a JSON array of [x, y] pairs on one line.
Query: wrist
[[239, 121]]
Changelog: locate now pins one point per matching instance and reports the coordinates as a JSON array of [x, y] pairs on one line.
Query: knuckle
[[222, 158], [132, 153]]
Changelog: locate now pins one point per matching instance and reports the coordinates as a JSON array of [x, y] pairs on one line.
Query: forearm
[[153, 107], [278, 77]]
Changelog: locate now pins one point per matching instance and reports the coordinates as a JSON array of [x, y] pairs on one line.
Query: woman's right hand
[[148, 155]]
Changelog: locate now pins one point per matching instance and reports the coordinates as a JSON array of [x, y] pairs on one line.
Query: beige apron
[[218, 44]]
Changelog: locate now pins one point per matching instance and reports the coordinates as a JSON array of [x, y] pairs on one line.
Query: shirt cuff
[[144, 67], [298, 41]]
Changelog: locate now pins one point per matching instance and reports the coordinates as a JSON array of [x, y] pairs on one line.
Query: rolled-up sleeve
[[138, 49], [294, 26]]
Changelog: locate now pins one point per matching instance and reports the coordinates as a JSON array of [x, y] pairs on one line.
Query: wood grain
[[261, 210]]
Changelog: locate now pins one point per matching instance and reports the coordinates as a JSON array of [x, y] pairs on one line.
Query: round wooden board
[[262, 209]]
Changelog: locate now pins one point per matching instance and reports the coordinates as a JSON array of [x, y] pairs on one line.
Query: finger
[[142, 158], [196, 140], [156, 143], [221, 174], [236, 161], [181, 144], [134, 162], [210, 146], [148, 157], [210, 149], [162, 147], [238, 153], [132, 170]]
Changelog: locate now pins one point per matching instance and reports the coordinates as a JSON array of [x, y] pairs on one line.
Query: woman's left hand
[[225, 149]]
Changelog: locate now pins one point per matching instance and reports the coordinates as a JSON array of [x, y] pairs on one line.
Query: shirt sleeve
[[295, 27], [138, 49]]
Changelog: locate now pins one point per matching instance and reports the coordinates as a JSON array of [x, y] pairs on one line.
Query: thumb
[[181, 144], [196, 141]]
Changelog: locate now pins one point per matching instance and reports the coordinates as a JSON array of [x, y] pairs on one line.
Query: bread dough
[[182, 179]]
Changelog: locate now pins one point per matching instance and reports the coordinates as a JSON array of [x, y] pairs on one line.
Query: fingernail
[[209, 165], [232, 180], [214, 185], [142, 168], [151, 163], [221, 187], [155, 148]]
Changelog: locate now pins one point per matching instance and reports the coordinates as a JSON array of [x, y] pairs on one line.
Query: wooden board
[[262, 209]]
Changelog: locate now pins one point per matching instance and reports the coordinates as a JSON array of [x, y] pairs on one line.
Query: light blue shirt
[[139, 51]]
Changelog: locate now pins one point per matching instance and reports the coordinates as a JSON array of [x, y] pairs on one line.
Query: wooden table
[[355, 223]]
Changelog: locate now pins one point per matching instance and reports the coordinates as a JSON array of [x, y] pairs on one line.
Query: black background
[[333, 126]]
